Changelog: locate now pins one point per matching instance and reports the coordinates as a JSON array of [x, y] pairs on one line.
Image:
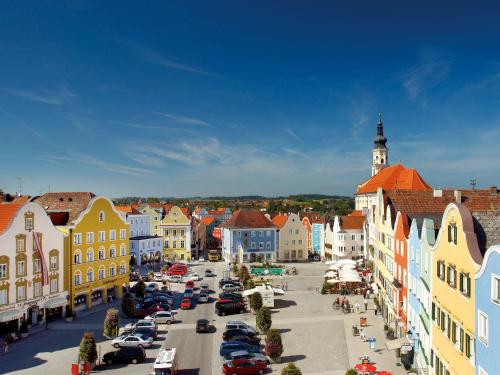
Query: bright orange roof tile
[[280, 220], [207, 220], [7, 212], [396, 177], [127, 209]]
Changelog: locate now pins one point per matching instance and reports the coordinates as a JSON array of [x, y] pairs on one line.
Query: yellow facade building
[[176, 232], [155, 219], [96, 249]]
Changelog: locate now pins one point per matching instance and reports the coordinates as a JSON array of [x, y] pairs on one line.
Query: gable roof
[[314, 217], [127, 209], [207, 220], [280, 220], [352, 222], [72, 202], [248, 219], [392, 178], [7, 213]]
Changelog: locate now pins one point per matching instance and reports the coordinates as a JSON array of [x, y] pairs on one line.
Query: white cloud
[[294, 152], [291, 133], [184, 119], [59, 98]]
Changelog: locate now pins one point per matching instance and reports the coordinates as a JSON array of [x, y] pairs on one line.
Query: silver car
[[142, 323], [203, 298], [161, 317], [132, 340]]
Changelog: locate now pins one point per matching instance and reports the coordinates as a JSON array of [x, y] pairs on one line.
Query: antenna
[[20, 180], [473, 183]]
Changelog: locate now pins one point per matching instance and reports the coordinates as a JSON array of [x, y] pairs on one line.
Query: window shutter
[[468, 286], [449, 233], [455, 231]]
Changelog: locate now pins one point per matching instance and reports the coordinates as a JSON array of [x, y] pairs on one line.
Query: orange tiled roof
[[207, 220], [314, 217], [356, 213], [248, 219], [185, 211], [394, 178], [352, 222], [280, 220], [72, 202], [7, 212], [127, 209]]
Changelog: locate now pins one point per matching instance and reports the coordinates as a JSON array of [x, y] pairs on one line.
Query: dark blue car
[[234, 346]]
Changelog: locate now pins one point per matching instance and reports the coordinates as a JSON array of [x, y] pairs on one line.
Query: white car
[[175, 278], [203, 298], [142, 323], [161, 317], [132, 340], [201, 259], [230, 288], [237, 324], [157, 276], [204, 287]]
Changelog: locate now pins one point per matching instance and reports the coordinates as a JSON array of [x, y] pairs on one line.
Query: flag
[[38, 247]]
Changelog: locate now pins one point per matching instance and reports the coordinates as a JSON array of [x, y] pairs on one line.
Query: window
[[28, 221], [261, 245], [293, 242], [465, 282], [253, 233], [268, 245], [123, 251], [78, 278], [123, 269], [21, 268], [112, 271], [90, 237], [77, 238], [482, 327], [112, 252], [261, 233], [300, 242], [102, 255], [174, 232], [174, 244], [112, 235], [78, 258], [20, 244], [102, 273], [451, 276], [440, 270], [21, 293], [53, 262], [253, 245], [182, 244], [353, 237], [495, 288], [296, 231], [102, 216], [165, 244], [37, 290], [90, 275], [54, 285], [182, 232], [3, 296], [3, 271], [37, 265], [123, 234], [102, 236], [90, 255], [353, 249], [268, 233], [300, 254], [452, 233]]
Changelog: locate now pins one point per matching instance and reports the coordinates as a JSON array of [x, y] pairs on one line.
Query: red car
[[186, 304], [244, 367], [177, 269], [190, 284], [145, 311]]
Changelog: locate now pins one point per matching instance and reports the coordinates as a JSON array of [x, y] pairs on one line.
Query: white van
[[165, 363]]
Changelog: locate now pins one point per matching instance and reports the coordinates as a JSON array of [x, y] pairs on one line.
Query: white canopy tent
[[346, 261], [330, 274]]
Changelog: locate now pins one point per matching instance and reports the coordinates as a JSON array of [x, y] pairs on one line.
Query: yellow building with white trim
[[176, 232]]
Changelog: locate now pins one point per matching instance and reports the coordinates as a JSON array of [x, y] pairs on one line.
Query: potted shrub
[[69, 314], [249, 284], [128, 305], [88, 349], [111, 324], [274, 345], [263, 319], [235, 269], [256, 302], [291, 369], [351, 372], [325, 288]]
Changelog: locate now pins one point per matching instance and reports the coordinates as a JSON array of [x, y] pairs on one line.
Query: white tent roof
[[346, 261], [333, 281], [330, 274]]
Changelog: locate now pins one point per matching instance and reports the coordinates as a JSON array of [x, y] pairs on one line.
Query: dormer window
[[29, 218], [452, 233], [102, 216]]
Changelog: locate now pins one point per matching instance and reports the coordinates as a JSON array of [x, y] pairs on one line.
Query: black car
[[134, 277], [246, 340], [237, 297], [228, 307], [202, 325], [236, 332], [146, 331], [125, 355]]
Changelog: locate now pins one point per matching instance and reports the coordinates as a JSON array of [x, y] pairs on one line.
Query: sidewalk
[[383, 358]]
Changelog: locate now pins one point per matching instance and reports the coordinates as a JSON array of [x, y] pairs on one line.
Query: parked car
[[230, 347], [209, 273], [245, 339], [161, 317], [243, 367], [201, 259], [231, 288], [125, 355], [134, 277], [193, 277], [237, 332], [157, 276], [175, 278], [177, 269], [190, 284], [203, 298], [223, 282], [204, 287], [186, 304], [232, 296], [227, 307], [132, 340], [144, 311], [243, 354], [142, 323], [152, 287], [237, 324], [188, 293], [148, 332], [202, 325]]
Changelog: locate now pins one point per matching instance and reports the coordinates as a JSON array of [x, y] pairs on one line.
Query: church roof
[[396, 177]]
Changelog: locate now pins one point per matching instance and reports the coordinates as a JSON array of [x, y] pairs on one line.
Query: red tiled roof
[[72, 202], [248, 219], [22, 199], [314, 217], [280, 220], [127, 209], [352, 222], [356, 213], [393, 178], [207, 220], [185, 211], [7, 212]]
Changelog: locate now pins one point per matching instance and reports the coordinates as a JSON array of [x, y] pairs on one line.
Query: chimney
[[494, 191], [437, 193], [458, 196]]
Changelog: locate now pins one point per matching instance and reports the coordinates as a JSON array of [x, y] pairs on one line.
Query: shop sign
[[406, 349]]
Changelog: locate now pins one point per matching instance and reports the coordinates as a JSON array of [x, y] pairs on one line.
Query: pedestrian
[[357, 307], [366, 304], [5, 346], [362, 334]]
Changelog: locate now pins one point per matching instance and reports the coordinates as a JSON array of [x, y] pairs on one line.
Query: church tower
[[380, 155]]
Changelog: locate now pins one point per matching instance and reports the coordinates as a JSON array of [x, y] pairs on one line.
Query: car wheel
[[222, 313], [116, 345], [140, 346], [134, 361], [169, 321], [109, 362], [261, 372]]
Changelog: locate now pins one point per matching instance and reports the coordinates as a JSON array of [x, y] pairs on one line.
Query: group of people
[[342, 303]]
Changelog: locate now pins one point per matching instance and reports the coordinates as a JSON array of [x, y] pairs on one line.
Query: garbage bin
[[363, 321], [355, 330], [75, 369]]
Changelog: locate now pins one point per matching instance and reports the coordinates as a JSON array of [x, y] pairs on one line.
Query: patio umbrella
[[363, 368], [333, 281], [346, 261], [384, 373], [330, 262], [334, 267], [330, 274], [348, 266]]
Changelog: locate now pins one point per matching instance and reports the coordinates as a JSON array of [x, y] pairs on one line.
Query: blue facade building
[[317, 237], [488, 313], [414, 287], [248, 236]]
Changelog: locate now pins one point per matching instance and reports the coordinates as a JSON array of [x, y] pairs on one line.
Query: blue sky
[[177, 98]]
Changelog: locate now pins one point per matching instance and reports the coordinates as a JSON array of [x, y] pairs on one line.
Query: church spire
[[380, 140], [380, 154]]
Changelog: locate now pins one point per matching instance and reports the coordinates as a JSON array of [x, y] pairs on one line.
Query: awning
[[8, 315], [396, 344], [56, 302]]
